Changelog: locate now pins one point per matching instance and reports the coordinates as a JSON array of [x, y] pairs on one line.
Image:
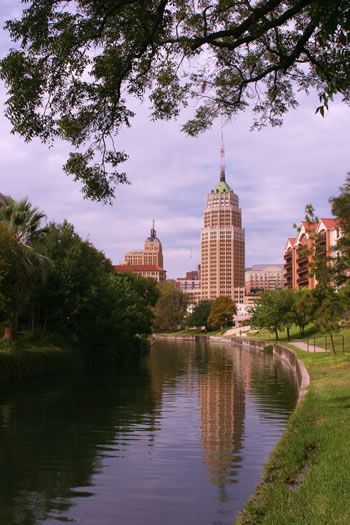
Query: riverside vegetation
[[59, 292]]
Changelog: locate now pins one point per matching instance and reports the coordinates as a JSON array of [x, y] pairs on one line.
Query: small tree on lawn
[[286, 306], [200, 314], [268, 313], [303, 309], [221, 311], [327, 311]]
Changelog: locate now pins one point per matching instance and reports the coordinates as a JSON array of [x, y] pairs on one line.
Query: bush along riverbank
[[306, 479], [30, 356]]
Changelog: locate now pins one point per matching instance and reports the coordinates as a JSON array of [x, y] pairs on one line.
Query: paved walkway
[[239, 331], [312, 348]]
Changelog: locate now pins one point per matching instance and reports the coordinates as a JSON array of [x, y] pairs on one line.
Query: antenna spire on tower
[[222, 155], [153, 230]]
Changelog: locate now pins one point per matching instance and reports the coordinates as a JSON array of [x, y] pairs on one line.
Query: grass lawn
[[307, 478]]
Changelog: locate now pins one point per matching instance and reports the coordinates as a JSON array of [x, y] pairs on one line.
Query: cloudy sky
[[275, 172]]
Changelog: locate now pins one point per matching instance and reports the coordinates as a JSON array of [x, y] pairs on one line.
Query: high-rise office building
[[222, 243]]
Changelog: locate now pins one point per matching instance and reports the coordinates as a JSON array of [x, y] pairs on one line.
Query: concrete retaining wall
[[288, 356], [285, 354]]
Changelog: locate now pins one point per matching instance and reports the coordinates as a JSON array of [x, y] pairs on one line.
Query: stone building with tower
[[222, 243], [148, 263]]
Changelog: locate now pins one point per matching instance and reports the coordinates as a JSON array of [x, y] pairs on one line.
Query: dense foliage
[[85, 299], [81, 297], [277, 310], [25, 266], [170, 308], [221, 311], [341, 209], [77, 64], [200, 314]]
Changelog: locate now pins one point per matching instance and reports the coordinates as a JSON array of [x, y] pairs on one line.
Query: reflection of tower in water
[[222, 411]]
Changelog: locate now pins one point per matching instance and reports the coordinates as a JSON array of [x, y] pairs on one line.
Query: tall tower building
[[222, 243]]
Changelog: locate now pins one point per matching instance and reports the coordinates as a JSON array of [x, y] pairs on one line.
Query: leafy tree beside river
[[20, 223], [82, 298], [171, 307]]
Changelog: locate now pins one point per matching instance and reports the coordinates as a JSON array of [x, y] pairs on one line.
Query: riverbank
[[306, 479], [27, 358], [30, 356]]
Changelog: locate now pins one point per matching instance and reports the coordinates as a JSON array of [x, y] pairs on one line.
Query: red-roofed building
[[146, 270], [289, 263], [148, 263], [297, 258]]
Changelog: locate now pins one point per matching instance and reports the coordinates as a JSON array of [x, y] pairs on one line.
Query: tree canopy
[[341, 209], [85, 299], [25, 264], [200, 313], [170, 309], [221, 311], [76, 65]]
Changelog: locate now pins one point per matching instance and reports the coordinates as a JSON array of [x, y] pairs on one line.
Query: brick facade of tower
[[222, 245]]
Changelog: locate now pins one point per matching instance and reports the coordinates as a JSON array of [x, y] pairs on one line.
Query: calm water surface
[[179, 438]]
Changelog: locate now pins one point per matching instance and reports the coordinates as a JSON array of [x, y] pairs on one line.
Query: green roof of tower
[[222, 187]]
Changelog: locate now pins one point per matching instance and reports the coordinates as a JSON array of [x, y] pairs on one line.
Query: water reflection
[[222, 402], [179, 437]]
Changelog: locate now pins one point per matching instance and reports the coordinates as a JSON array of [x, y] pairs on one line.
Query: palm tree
[[23, 220]]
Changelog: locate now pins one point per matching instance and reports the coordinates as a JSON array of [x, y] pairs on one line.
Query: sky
[[275, 173]]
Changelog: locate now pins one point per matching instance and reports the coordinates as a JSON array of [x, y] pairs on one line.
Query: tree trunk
[[276, 332], [45, 321], [288, 334], [332, 342], [10, 331], [33, 321]]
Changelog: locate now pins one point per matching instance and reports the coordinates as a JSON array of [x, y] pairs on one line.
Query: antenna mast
[[222, 156], [153, 231]]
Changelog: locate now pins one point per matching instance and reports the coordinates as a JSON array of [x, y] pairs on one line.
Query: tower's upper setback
[[222, 207], [153, 252]]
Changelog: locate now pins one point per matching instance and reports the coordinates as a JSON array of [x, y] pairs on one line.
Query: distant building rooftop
[[138, 268], [262, 267]]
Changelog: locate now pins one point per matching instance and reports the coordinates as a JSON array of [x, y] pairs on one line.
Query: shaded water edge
[[38, 360], [287, 355]]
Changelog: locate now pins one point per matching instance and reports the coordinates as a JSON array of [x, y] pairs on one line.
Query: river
[[177, 438]]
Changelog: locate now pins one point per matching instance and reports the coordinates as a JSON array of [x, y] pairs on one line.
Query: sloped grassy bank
[[306, 480]]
